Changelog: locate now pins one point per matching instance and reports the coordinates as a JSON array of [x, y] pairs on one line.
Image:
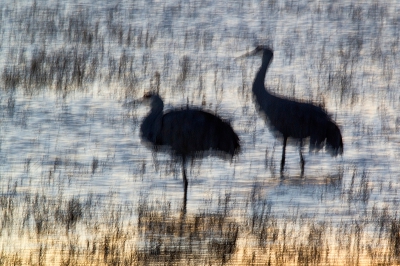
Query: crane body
[[187, 132], [294, 119]]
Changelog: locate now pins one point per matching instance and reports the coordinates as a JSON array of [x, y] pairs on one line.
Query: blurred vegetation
[[97, 231], [55, 46]]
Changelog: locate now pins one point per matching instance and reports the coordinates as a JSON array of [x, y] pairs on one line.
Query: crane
[[187, 132], [291, 118]]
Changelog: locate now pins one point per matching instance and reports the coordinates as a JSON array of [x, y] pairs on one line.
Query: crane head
[[147, 98], [154, 99], [148, 95], [259, 50]]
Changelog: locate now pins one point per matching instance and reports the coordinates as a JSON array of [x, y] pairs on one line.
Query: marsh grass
[[73, 230], [89, 234], [76, 49]]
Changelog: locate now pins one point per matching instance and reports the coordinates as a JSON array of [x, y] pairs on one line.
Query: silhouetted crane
[[294, 119], [187, 132]]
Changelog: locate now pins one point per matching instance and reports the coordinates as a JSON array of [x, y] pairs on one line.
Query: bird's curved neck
[[258, 85], [157, 106], [151, 124]]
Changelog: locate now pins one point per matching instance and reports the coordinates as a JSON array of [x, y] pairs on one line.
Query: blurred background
[[77, 185]]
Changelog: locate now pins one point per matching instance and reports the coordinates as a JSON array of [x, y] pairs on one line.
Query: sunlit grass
[[37, 229], [348, 65]]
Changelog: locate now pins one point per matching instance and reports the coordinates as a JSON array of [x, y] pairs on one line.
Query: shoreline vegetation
[[63, 48], [98, 231]]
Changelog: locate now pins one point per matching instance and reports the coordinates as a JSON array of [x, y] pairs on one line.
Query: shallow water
[[81, 138]]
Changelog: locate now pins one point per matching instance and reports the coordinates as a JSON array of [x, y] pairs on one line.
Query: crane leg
[[302, 162], [185, 185], [283, 154]]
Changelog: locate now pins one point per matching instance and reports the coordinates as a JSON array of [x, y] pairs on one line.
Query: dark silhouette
[[294, 119], [187, 132]]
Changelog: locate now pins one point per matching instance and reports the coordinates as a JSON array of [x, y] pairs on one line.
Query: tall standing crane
[[294, 119]]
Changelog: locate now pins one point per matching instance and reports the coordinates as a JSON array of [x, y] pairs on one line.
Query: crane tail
[[334, 140], [229, 141]]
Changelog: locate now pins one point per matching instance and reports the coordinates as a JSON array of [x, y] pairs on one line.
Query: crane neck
[[157, 106], [258, 85], [152, 123]]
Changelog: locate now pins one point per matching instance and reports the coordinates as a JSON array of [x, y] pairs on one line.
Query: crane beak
[[131, 104], [147, 95], [245, 55], [139, 101], [258, 50]]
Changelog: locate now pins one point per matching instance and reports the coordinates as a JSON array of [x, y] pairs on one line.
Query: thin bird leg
[[185, 184], [283, 154], [302, 162]]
